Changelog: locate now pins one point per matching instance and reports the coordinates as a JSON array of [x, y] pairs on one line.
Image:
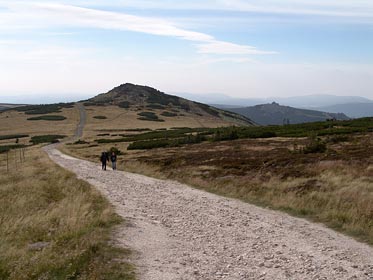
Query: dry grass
[[13, 122], [41, 202], [335, 188], [120, 118]]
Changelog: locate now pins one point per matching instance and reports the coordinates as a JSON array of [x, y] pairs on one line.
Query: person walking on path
[[113, 159], [104, 158]]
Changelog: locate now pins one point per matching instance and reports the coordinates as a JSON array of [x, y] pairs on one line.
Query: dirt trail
[[82, 120], [182, 233]]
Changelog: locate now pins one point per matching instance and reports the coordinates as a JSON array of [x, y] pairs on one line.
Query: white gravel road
[[178, 232]]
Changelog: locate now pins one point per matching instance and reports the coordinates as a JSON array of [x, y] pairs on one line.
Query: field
[[118, 120], [16, 123], [54, 226], [321, 171]]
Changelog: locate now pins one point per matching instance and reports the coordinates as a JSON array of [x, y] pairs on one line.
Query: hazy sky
[[242, 48]]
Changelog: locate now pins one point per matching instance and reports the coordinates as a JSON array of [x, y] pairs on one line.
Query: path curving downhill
[[179, 232], [82, 120]]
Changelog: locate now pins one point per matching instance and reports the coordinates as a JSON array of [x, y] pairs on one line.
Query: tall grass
[[54, 226], [334, 188]]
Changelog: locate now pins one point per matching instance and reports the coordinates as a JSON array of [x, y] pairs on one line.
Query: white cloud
[[329, 8], [217, 47], [45, 15]]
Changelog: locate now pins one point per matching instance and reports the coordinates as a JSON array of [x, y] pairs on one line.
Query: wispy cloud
[[327, 8], [67, 15]]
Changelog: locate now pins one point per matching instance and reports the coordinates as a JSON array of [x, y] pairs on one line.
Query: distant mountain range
[[5, 106], [275, 114], [352, 106], [353, 110]]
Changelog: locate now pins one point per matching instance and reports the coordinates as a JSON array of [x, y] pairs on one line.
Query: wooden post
[[7, 161]]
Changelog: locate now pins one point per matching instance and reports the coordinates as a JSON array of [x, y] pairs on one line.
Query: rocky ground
[[178, 232]]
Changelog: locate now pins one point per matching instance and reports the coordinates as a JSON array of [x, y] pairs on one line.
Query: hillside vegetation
[[321, 170], [276, 114], [139, 97]]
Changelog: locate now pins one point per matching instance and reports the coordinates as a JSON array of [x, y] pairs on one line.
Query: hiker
[[104, 158], [113, 159]]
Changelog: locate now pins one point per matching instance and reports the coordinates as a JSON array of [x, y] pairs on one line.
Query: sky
[[70, 50]]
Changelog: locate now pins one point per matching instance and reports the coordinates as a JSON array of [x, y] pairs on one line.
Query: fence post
[[7, 161]]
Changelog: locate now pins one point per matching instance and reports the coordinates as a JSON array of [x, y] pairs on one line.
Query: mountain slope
[[353, 110], [275, 114], [138, 97], [6, 106]]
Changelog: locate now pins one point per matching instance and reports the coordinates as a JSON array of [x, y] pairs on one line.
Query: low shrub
[[124, 104], [100, 117], [338, 138], [46, 139], [115, 150], [155, 106], [43, 109], [163, 143], [315, 145], [47, 118], [225, 134], [79, 142], [149, 116], [168, 114], [7, 148], [13, 136]]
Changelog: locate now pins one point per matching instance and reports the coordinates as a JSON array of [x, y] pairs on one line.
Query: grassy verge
[[334, 188], [54, 226]]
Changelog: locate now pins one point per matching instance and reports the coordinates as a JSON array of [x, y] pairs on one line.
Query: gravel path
[[82, 120], [178, 232]]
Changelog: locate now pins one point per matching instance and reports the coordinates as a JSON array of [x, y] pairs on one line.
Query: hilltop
[[137, 97], [276, 114]]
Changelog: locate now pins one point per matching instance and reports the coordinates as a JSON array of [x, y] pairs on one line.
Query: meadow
[[320, 171], [54, 226]]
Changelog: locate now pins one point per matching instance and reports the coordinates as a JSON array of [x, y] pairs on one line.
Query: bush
[[315, 145], [163, 143], [163, 99], [115, 150], [338, 138], [45, 139], [79, 142], [13, 136], [168, 114], [6, 148], [155, 106], [225, 134], [149, 116], [100, 117], [43, 109], [124, 104], [47, 118]]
